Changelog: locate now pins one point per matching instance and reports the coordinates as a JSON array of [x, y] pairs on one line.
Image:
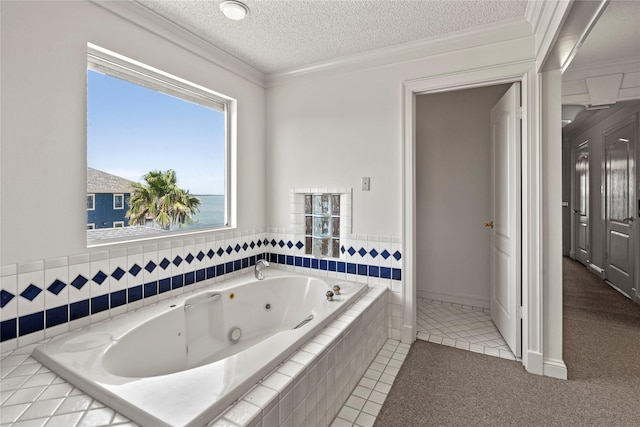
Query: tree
[[161, 200]]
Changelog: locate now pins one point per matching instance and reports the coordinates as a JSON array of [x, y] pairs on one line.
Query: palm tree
[[162, 200]]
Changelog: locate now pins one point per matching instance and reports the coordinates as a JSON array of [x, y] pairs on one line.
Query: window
[[118, 224], [91, 226], [91, 202], [322, 220], [322, 224], [152, 136], [118, 201]]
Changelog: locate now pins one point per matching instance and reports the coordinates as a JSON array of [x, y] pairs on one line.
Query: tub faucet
[[261, 264]]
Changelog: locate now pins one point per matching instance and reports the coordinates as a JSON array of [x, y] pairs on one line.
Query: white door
[[619, 175], [506, 216], [581, 203]]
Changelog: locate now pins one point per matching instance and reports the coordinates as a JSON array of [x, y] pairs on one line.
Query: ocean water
[[211, 213]]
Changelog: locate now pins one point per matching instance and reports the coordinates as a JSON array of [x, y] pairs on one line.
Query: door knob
[[489, 224], [628, 219]]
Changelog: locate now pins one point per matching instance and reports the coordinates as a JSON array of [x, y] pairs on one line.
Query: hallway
[[601, 329], [440, 385]]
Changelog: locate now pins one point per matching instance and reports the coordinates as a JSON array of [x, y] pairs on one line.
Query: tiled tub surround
[[312, 384], [44, 298], [177, 363]]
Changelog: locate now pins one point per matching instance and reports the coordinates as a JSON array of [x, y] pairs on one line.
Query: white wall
[[43, 173], [331, 131], [453, 195]]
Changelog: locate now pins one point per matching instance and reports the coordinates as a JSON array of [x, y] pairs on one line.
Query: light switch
[[366, 183]]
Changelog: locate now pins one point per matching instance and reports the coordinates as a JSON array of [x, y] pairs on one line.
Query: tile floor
[[365, 402], [33, 396], [461, 326]]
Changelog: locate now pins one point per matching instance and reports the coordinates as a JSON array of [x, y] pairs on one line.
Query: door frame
[[531, 278]]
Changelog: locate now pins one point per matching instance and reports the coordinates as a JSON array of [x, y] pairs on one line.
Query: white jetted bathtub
[[183, 361]]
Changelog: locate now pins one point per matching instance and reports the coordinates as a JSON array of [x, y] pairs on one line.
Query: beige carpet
[[439, 385]]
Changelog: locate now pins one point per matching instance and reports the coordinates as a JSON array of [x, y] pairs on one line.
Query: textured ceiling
[[282, 35], [615, 37]]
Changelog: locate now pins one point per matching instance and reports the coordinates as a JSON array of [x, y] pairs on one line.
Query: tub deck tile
[[69, 406]]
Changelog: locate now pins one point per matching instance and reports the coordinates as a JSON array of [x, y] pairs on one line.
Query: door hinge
[[519, 113], [519, 312]]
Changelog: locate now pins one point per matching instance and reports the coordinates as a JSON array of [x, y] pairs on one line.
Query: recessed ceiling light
[[233, 9]]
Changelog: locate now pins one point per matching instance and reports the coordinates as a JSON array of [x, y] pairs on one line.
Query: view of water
[[211, 213]]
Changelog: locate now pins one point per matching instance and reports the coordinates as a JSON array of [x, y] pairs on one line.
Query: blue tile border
[[55, 316]]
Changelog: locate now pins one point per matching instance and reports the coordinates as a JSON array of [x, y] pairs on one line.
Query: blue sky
[[132, 130]]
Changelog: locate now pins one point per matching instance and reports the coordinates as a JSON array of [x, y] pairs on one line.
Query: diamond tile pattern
[[118, 273], [5, 298], [164, 263], [150, 266], [100, 277], [31, 292], [56, 287], [135, 269], [79, 282], [460, 326], [192, 274]]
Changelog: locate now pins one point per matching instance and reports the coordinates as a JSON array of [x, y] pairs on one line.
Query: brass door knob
[[489, 224]]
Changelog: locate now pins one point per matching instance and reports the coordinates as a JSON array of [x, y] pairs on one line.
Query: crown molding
[[477, 36], [149, 20]]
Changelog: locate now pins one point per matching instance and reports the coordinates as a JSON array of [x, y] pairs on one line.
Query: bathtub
[[183, 361]]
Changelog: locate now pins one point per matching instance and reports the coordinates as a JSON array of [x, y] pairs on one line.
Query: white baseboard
[[599, 271], [535, 364], [474, 301], [619, 290], [555, 368]]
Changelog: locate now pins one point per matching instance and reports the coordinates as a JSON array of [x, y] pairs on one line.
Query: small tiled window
[[322, 224], [118, 201], [91, 202]]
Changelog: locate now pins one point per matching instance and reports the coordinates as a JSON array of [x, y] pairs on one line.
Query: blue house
[[107, 200]]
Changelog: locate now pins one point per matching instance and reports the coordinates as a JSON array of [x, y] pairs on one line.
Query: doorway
[[455, 218], [604, 194]]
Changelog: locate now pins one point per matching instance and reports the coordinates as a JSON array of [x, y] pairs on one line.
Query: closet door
[[619, 178], [581, 203]]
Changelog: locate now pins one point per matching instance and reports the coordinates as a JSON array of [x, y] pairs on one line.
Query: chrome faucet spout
[[261, 264]]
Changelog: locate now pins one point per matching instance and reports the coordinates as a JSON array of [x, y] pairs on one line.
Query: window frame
[[118, 224], [93, 202], [122, 201], [107, 62]]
